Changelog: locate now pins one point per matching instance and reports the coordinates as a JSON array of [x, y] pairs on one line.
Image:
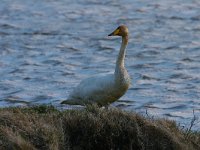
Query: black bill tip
[[111, 34]]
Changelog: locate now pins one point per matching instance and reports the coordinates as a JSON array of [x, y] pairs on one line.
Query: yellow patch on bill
[[116, 32]]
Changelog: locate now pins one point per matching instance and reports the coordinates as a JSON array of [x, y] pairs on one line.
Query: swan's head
[[120, 31]]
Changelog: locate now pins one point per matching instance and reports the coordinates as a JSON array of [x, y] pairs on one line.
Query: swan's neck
[[121, 56]]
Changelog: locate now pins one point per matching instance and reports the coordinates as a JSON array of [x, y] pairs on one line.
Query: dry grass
[[45, 128]]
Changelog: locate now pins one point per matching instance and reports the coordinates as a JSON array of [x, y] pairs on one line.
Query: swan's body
[[104, 90]]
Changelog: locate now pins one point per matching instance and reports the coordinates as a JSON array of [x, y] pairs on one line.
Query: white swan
[[104, 90]]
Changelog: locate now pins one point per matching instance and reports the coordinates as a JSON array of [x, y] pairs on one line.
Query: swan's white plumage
[[106, 89], [98, 89]]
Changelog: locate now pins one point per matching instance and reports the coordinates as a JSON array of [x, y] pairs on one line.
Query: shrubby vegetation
[[46, 128]]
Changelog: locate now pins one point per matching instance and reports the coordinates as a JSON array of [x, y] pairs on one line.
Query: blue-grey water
[[47, 47]]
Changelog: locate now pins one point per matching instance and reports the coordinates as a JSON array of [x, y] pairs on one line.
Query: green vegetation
[[46, 128]]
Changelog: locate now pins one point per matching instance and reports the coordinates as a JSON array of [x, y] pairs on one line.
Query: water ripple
[[47, 47]]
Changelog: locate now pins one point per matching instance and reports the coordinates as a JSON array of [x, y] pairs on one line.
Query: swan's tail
[[71, 102]]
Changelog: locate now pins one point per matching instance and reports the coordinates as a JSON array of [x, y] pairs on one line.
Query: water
[[47, 47]]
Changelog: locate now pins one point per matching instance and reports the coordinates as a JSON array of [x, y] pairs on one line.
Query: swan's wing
[[93, 86]]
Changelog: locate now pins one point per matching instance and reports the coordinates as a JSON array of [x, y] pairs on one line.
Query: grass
[[46, 128]]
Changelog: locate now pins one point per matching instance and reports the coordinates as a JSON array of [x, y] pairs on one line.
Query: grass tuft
[[46, 128]]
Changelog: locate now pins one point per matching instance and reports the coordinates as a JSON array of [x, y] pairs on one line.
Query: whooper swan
[[106, 89]]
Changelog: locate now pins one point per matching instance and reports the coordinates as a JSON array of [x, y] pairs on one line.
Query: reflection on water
[[47, 47]]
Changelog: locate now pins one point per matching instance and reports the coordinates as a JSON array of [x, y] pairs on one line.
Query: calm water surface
[[47, 47]]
